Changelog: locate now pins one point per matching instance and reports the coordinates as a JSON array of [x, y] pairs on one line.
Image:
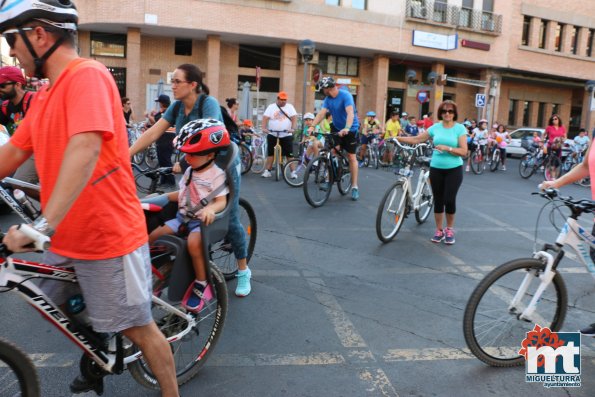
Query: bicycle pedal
[[81, 384]]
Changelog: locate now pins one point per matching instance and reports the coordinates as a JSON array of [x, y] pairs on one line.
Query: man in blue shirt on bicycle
[[339, 103]]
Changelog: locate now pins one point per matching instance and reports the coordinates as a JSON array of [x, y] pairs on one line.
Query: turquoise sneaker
[[354, 194], [243, 288]]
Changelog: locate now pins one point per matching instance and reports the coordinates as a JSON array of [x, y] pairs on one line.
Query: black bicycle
[[323, 171], [18, 376], [147, 180]]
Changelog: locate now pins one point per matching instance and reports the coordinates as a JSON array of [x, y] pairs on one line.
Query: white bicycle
[[515, 296], [400, 199]]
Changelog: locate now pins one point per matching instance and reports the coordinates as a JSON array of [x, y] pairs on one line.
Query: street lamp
[[306, 48]]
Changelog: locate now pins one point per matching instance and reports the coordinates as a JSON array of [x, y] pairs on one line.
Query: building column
[[585, 113], [134, 87], [581, 42], [213, 64], [550, 36], [518, 112], [437, 90], [289, 81], [533, 110], [566, 38], [534, 32], [84, 43], [379, 86]]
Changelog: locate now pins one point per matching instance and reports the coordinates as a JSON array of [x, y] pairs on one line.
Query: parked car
[[522, 138]]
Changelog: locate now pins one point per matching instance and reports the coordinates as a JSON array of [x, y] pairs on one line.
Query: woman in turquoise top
[[446, 167]]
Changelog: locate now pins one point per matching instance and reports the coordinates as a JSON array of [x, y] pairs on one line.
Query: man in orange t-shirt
[[76, 129]]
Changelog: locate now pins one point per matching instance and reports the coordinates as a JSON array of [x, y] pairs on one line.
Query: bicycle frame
[[17, 273], [11, 202], [572, 235]]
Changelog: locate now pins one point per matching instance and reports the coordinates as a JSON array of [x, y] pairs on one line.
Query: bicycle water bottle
[[22, 198], [76, 308]]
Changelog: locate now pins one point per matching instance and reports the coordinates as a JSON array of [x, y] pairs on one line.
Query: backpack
[[230, 125], [26, 103]]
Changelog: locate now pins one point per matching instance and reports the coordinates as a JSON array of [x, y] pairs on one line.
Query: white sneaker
[[293, 175], [503, 168], [266, 174], [467, 169]]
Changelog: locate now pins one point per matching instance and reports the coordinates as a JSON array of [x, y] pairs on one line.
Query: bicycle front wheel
[[344, 182], [426, 202], [318, 181], [193, 350], [495, 160], [391, 212], [527, 166], [491, 325], [299, 169], [222, 252], [139, 158], [151, 159], [18, 377], [477, 163], [246, 158]]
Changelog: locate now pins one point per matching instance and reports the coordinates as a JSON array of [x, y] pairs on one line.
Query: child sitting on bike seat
[[315, 140], [246, 132], [200, 140]]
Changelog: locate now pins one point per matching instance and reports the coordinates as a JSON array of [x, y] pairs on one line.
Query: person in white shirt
[[279, 119]]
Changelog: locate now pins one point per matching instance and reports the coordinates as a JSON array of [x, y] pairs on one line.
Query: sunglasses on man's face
[[11, 35], [4, 85]]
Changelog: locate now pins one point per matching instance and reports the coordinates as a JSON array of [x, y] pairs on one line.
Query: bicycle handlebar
[[414, 147], [577, 206]]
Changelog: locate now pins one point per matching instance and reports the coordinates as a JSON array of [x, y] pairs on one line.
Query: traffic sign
[[480, 100], [423, 96]]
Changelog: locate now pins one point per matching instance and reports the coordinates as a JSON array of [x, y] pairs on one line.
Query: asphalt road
[[334, 312]]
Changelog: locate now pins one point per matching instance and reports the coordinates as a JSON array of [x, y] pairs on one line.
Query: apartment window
[[267, 84], [183, 47], [359, 4], [336, 64], [526, 24], [542, 33], [558, 41], [555, 108], [265, 57], [440, 9], [526, 113], [465, 13], [574, 39], [488, 5], [108, 45], [119, 75], [512, 111], [333, 2], [468, 4], [541, 114], [590, 42]]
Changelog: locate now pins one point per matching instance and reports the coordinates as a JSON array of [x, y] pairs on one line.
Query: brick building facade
[[529, 58]]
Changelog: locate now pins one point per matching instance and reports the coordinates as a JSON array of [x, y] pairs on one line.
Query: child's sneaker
[[467, 169], [243, 288], [449, 236], [266, 174], [195, 296], [438, 236]]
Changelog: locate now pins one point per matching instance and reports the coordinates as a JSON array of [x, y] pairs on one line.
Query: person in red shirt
[[555, 134], [428, 122], [88, 196]]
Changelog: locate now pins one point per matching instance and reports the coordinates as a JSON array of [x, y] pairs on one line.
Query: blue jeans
[[236, 234]]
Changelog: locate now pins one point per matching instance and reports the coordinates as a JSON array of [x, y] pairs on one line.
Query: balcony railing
[[443, 13]]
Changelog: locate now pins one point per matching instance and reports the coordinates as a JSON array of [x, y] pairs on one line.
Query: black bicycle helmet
[[59, 13], [326, 82]]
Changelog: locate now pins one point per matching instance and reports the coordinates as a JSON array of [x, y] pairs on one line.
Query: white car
[[520, 136]]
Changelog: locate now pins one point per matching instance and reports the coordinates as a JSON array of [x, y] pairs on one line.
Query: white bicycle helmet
[[59, 13]]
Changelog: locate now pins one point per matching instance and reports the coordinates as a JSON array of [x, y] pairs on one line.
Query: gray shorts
[[117, 291], [27, 172]]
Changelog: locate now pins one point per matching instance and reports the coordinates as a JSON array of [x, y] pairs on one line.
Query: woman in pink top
[[555, 134]]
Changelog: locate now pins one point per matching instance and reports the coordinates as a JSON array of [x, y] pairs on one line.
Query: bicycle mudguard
[[182, 273]]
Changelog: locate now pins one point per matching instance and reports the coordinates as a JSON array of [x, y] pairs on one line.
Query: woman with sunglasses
[[555, 134], [192, 102], [446, 167]]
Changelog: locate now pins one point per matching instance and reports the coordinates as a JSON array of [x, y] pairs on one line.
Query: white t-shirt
[[277, 120], [4, 137], [203, 183]]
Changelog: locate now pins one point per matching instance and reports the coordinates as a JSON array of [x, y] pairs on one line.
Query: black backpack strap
[[201, 102]]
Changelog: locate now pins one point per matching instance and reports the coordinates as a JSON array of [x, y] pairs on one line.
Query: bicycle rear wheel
[[318, 181], [246, 157], [491, 324], [222, 252], [300, 170], [143, 184], [151, 159], [391, 212], [139, 158], [344, 182], [551, 168], [527, 166], [426, 202], [193, 350], [18, 377], [258, 164]]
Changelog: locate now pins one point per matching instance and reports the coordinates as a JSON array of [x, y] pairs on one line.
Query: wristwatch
[[42, 226], [450, 148]]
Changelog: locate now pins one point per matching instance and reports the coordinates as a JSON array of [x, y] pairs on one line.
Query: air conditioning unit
[[418, 10]]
